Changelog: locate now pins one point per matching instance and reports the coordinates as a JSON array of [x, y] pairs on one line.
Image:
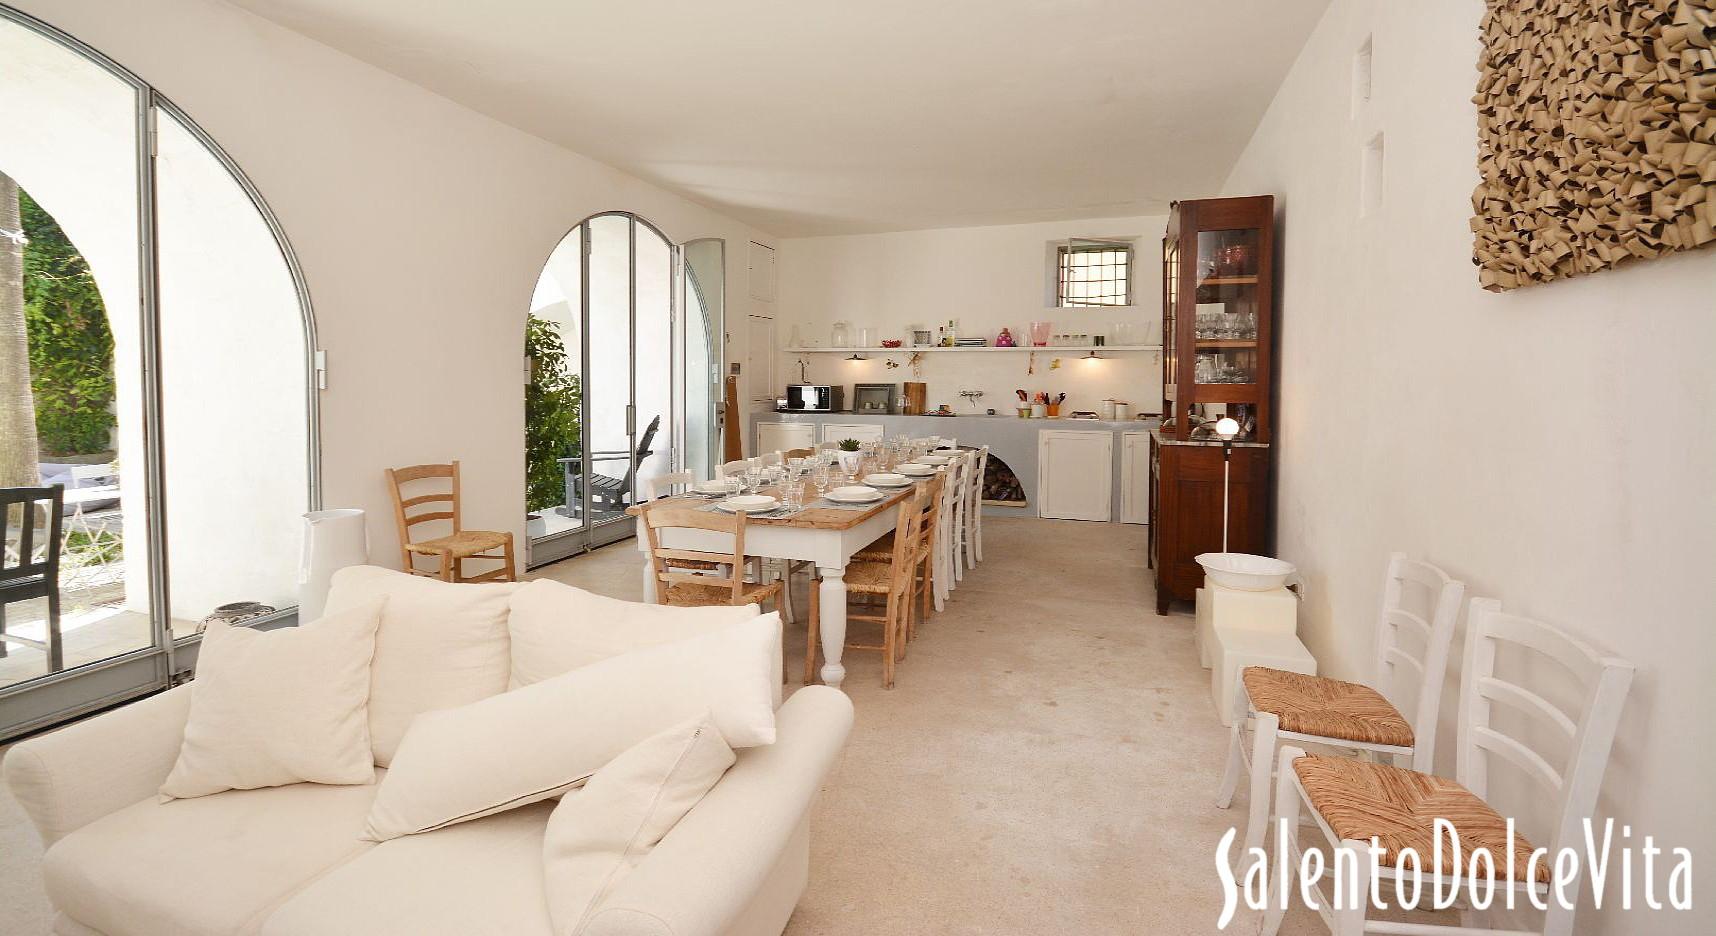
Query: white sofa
[[287, 861]]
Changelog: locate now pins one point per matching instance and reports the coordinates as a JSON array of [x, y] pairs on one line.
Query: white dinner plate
[[854, 494], [711, 487], [912, 468], [887, 479], [749, 503], [935, 460]]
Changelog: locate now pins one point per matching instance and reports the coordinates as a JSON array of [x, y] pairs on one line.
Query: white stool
[[1275, 611], [1231, 651]]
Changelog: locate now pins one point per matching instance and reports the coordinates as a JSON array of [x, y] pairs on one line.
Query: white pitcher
[[333, 539]]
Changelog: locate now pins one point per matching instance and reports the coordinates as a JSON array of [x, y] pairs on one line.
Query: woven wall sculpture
[[1596, 136]]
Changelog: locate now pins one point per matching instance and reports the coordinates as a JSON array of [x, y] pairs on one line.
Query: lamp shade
[[333, 539]]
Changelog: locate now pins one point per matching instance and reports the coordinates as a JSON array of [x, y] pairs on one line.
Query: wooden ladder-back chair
[[456, 547], [1558, 752], [923, 566], [723, 580], [22, 575], [892, 579]]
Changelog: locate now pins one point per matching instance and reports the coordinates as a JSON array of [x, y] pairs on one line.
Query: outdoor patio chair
[[607, 493], [22, 575]]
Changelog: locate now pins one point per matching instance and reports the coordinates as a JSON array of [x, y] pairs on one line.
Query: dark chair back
[[24, 502]]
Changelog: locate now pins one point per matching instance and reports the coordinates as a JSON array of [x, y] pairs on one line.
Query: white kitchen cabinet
[[1135, 477], [782, 436], [1075, 474], [863, 432]]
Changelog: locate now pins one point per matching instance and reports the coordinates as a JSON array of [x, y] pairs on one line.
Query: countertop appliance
[[874, 398], [811, 398]]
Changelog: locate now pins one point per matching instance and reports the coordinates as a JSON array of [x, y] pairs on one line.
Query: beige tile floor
[[1045, 764]]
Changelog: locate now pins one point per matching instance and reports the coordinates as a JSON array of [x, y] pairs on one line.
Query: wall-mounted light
[[1091, 356], [857, 357]]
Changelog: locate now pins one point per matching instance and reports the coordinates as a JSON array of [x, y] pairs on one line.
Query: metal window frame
[[1063, 267], [107, 678]]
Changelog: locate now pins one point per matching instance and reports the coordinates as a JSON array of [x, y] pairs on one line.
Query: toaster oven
[[810, 398]]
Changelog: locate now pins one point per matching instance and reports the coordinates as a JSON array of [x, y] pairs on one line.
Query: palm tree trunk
[[18, 450]]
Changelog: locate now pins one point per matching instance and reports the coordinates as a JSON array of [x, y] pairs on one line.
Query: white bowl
[[854, 494], [749, 503], [886, 479], [1244, 571], [913, 468]]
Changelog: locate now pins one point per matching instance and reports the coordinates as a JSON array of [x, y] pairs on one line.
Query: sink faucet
[[972, 396]]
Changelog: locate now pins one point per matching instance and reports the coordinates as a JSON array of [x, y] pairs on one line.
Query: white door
[[760, 363], [1075, 474], [782, 437], [863, 432], [1135, 477]]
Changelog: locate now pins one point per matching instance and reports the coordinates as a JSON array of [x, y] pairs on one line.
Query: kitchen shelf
[[1227, 342], [1062, 348]]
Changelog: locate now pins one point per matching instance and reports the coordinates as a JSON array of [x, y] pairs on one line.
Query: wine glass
[[819, 478]]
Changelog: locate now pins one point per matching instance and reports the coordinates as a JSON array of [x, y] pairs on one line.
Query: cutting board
[[917, 394]]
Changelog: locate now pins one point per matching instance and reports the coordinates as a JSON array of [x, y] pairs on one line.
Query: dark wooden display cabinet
[[1218, 332]]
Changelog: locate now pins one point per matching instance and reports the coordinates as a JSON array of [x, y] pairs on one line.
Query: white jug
[[333, 539]]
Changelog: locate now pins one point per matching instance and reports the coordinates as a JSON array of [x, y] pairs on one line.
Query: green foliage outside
[[71, 347], [552, 430]]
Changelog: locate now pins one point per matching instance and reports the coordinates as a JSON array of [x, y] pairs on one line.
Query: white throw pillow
[[270, 708], [598, 834], [557, 628], [537, 742], [440, 645]]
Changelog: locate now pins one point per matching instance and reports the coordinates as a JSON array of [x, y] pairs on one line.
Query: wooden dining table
[[824, 536]]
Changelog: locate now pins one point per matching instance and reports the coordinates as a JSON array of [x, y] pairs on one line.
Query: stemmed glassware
[[819, 478]]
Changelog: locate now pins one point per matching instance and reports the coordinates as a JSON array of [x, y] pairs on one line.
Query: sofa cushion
[[598, 835], [440, 645], [270, 708], [211, 865], [555, 628], [539, 741], [482, 877]]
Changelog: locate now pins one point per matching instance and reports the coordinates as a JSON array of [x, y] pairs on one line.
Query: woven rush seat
[[1398, 807], [869, 578], [688, 595], [882, 550], [1326, 708], [463, 543]]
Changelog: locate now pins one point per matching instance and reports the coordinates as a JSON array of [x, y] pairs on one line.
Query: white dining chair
[[1409, 675], [770, 459], [944, 553], [971, 542], [961, 505], [733, 468], [1352, 801], [662, 485]]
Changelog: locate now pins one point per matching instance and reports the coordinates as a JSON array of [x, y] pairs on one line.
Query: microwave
[[810, 398]]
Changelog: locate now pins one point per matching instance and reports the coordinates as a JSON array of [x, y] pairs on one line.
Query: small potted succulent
[[850, 455]]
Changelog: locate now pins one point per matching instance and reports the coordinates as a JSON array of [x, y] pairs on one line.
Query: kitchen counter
[[1011, 439], [1210, 441]]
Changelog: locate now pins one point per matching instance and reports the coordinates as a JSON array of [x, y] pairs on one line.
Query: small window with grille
[[1094, 273]]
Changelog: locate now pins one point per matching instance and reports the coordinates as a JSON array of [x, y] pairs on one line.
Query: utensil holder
[[1039, 410]]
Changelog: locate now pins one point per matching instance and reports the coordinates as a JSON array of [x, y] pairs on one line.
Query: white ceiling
[[821, 117]]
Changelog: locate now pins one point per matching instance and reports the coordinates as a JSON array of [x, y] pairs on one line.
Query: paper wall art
[[1596, 136]]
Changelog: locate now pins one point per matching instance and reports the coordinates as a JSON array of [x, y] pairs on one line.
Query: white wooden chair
[[944, 547], [971, 535], [662, 485], [1351, 800], [733, 468], [1283, 706], [770, 459]]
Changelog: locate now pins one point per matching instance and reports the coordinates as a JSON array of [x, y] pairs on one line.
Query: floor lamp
[[1225, 429]]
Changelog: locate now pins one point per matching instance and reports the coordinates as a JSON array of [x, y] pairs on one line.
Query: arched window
[[156, 361]]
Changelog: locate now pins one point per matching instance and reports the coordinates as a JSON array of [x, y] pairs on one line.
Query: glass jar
[[841, 337]]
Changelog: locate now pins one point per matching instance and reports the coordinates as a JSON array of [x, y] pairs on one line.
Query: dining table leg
[[832, 598]]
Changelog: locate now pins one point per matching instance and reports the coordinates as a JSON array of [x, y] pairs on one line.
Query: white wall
[[422, 227], [1552, 446], [987, 278]]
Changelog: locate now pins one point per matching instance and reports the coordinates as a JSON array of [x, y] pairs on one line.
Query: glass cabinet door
[[1226, 324]]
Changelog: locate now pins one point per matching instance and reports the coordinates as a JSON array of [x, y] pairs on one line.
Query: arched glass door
[[622, 350], [156, 378]]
